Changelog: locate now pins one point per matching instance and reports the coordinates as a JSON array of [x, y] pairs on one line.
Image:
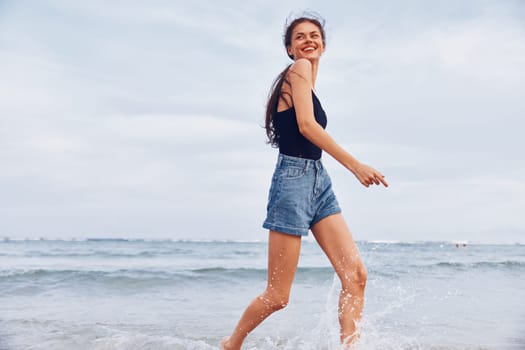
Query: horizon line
[[226, 240]]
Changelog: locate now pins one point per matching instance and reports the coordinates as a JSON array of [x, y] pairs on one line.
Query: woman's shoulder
[[303, 68], [302, 63]]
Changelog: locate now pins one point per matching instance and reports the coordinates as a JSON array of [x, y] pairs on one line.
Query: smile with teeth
[[309, 49]]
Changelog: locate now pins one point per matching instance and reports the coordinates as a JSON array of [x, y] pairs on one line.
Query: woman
[[301, 197]]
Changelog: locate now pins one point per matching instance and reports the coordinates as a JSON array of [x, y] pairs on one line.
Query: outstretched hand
[[368, 175]]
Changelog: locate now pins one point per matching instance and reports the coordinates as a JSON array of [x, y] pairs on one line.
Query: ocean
[[166, 294]]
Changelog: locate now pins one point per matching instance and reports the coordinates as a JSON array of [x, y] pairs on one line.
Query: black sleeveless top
[[291, 141]]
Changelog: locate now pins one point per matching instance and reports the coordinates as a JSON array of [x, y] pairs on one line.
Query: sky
[[143, 119]]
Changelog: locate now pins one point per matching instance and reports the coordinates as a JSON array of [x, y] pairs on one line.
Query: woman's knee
[[275, 300], [356, 276], [362, 275]]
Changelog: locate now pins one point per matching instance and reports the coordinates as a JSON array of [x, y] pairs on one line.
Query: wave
[[137, 279], [141, 273], [450, 266], [482, 264], [162, 275], [84, 282], [99, 254]]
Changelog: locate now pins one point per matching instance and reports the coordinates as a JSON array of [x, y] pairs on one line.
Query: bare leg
[[335, 239], [283, 256]]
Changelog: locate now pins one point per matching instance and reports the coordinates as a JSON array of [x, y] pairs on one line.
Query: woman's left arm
[[301, 83]]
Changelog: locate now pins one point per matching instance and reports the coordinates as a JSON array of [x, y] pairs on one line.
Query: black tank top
[[291, 141]]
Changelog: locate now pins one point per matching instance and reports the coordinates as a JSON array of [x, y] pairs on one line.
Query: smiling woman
[[301, 196]]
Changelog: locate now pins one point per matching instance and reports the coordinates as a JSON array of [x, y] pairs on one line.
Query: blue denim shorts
[[300, 196]]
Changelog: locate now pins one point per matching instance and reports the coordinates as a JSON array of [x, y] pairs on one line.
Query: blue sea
[[163, 294]]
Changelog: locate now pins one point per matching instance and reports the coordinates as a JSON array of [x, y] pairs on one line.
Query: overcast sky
[[143, 118]]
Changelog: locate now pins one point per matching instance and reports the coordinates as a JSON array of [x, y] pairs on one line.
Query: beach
[[172, 294]]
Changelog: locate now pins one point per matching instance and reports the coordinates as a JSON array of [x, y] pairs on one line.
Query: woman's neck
[[315, 66]]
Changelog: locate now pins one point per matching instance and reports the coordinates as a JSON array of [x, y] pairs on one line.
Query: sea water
[[162, 294]]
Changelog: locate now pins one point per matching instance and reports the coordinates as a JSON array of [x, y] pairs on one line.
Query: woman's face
[[307, 41]]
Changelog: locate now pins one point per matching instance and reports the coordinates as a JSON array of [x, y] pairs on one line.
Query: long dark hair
[[276, 89]]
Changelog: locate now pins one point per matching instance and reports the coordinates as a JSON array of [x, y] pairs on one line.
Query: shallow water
[[138, 294]]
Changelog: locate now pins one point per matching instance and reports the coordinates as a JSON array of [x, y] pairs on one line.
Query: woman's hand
[[368, 175]]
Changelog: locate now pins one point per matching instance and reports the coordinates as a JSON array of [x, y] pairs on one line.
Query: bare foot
[[225, 343]]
